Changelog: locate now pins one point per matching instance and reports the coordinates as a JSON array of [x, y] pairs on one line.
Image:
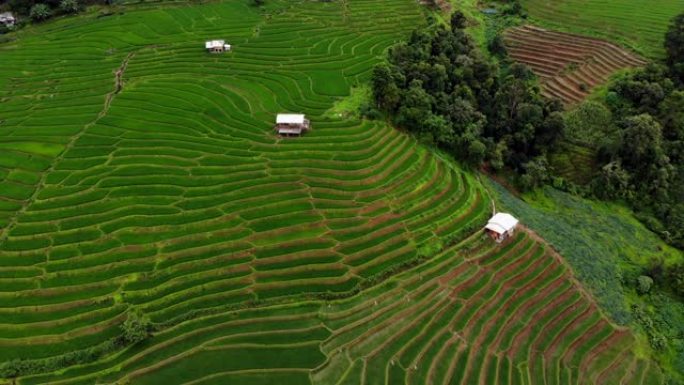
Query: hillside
[[628, 22], [569, 66], [140, 173], [608, 249]]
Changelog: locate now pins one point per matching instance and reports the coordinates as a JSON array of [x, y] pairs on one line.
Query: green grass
[[627, 22]]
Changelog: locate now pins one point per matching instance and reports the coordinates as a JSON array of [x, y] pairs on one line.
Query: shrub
[[656, 270], [644, 284], [536, 173], [69, 6], [497, 47], [136, 328], [369, 112], [40, 12]]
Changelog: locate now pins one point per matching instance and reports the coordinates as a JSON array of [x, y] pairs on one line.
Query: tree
[[258, 3], [641, 151], [458, 21], [672, 116], [536, 173], [641, 142], [39, 12], [674, 47], [136, 328], [640, 92], [438, 129], [497, 47], [498, 155], [675, 278], [612, 182], [385, 92], [549, 132], [476, 152], [590, 123], [69, 6]]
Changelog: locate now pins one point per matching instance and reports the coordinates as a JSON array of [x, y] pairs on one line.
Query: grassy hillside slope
[[139, 172], [628, 22]]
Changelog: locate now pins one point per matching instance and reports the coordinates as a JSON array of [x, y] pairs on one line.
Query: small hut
[[8, 19], [501, 226], [216, 46], [291, 124]]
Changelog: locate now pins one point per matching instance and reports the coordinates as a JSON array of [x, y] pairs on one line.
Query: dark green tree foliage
[[590, 123], [644, 162], [675, 277], [40, 12], [438, 86], [69, 6], [641, 92], [136, 328], [674, 46]]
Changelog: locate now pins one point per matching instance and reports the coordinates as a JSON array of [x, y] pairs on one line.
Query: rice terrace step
[[570, 66], [140, 173]]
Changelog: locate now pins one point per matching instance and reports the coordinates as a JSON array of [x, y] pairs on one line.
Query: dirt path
[[109, 97], [118, 84]]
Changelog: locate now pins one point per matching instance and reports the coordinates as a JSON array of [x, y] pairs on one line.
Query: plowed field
[[569, 65]]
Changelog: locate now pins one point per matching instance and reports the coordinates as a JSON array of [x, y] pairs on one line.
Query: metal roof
[[214, 43], [7, 17], [501, 223], [290, 119]]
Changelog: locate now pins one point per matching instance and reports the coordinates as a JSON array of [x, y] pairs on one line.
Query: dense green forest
[[440, 87]]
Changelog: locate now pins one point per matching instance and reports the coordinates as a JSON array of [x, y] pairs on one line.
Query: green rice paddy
[[633, 23], [259, 260]]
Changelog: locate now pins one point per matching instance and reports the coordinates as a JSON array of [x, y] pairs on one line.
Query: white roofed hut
[[291, 124], [8, 19], [216, 46], [501, 226]]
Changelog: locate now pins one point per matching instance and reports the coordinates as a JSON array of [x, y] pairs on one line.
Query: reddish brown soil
[[568, 65], [519, 340]]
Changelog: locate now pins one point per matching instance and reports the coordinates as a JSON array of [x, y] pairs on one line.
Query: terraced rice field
[[138, 172], [569, 66], [632, 23], [474, 314]]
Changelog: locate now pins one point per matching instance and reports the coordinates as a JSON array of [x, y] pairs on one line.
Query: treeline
[[642, 154], [40, 10], [439, 86], [134, 330], [641, 150]]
